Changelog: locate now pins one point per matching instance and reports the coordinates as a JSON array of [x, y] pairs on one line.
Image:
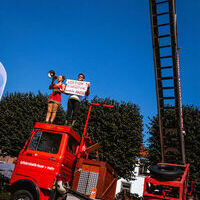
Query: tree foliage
[[118, 130], [191, 118], [19, 112]]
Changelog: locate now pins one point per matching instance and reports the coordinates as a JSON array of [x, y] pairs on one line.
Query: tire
[[22, 195], [166, 172]]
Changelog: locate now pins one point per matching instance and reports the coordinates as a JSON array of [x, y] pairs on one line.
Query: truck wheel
[[22, 195]]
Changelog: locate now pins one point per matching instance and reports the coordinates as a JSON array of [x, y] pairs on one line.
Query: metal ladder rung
[[171, 149], [164, 46], [161, 2], [163, 118], [169, 107], [167, 77], [163, 24], [163, 36], [167, 130], [168, 98], [167, 88], [166, 67], [164, 13], [165, 57]]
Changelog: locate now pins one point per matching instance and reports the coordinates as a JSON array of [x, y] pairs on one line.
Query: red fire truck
[[54, 165]]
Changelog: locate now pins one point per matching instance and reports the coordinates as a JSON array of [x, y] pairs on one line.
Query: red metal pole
[[84, 132], [93, 104], [86, 123]]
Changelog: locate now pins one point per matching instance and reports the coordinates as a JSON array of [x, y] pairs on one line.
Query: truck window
[[72, 145], [46, 142]]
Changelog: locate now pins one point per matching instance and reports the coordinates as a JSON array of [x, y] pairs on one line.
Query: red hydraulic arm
[[86, 123]]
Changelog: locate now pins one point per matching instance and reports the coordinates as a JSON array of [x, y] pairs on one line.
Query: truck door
[[40, 161], [69, 160]]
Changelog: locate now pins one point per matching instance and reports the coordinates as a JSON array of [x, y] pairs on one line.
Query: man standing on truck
[[74, 103]]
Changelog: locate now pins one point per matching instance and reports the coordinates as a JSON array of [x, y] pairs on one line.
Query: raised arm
[[51, 86], [52, 83]]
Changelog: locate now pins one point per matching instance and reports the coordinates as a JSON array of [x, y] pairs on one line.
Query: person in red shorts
[[55, 98]]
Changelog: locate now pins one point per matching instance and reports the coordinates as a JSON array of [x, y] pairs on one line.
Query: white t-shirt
[[76, 97]]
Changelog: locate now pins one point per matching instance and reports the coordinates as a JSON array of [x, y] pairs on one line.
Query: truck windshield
[[46, 142]]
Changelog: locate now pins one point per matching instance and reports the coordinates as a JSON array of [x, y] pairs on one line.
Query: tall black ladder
[[167, 74]]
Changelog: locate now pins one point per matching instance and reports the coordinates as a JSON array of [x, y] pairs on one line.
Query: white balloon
[[3, 75]]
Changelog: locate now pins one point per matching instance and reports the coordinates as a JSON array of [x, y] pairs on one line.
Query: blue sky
[[108, 40]]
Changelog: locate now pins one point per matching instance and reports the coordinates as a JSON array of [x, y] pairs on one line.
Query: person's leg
[[50, 106], [75, 111], [69, 111], [54, 110]]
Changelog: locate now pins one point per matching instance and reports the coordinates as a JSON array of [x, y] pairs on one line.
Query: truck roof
[[58, 128]]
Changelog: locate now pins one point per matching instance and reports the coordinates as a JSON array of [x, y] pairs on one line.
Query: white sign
[[76, 87]]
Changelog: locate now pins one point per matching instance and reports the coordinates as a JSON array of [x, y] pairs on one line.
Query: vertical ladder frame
[[176, 78]]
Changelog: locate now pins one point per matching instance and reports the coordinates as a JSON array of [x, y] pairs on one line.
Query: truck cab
[[50, 152]]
